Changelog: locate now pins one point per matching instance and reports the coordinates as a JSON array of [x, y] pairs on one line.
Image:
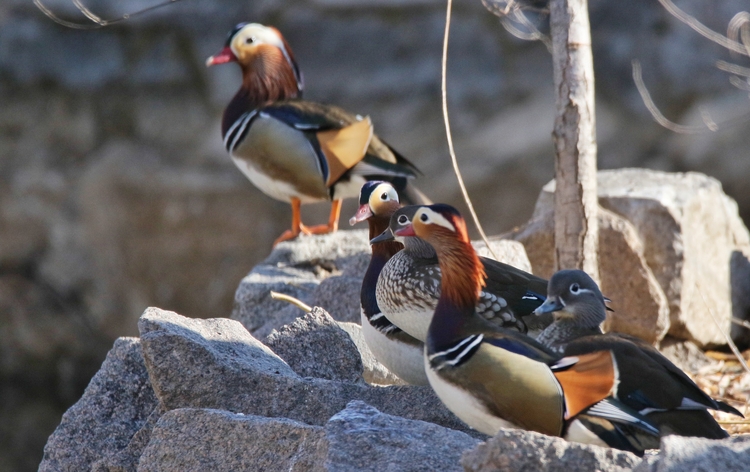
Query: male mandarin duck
[[648, 382], [295, 150], [409, 287], [399, 352], [493, 378]]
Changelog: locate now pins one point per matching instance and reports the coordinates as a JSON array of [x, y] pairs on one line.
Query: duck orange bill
[[363, 212], [222, 57]]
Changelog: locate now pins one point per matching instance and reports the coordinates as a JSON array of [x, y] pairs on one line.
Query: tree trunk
[[574, 135]]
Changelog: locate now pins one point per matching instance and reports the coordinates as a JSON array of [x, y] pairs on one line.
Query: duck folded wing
[[592, 378]]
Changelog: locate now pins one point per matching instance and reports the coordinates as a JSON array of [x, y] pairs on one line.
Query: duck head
[[445, 229], [573, 295], [376, 198], [267, 62]]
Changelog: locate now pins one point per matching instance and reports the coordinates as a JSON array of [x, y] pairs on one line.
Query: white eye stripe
[[434, 218]]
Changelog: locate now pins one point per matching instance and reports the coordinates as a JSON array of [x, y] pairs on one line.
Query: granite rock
[[299, 268], [623, 269], [115, 405], [691, 231], [526, 451], [217, 364], [699, 455], [362, 438], [315, 346], [217, 440]]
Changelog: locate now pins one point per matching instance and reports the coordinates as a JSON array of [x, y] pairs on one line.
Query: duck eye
[[250, 40], [384, 197], [424, 218], [402, 220], [574, 288]]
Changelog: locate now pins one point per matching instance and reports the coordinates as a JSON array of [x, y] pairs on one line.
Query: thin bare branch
[[743, 85], [652, 108], [511, 13], [738, 30], [290, 299], [452, 152], [97, 21], [733, 68], [703, 30], [740, 322]]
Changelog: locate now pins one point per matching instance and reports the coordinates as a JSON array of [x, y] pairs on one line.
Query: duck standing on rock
[[295, 150], [409, 287], [647, 381], [493, 378], [399, 352]]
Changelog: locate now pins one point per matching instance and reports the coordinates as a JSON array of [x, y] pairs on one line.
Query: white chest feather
[[402, 359]]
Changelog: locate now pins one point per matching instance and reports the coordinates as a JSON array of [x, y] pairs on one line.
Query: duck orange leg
[[333, 221], [297, 226]]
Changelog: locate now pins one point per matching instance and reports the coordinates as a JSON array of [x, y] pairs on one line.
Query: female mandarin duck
[[493, 378], [648, 381], [294, 150], [409, 288], [399, 352]]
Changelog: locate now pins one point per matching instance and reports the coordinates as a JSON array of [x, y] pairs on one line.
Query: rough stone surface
[[684, 354], [339, 294], [201, 439], [126, 460], [218, 364], [691, 230], [699, 455], [298, 268], [690, 241], [622, 268], [115, 405], [362, 438], [526, 451], [315, 346], [374, 372]]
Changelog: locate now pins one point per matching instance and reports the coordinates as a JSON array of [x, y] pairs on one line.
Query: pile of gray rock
[[279, 389], [206, 395]]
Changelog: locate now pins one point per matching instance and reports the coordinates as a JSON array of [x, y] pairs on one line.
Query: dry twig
[[97, 21]]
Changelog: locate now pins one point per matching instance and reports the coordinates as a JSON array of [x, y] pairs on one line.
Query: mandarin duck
[[409, 288], [493, 378], [399, 352], [648, 381], [294, 150]]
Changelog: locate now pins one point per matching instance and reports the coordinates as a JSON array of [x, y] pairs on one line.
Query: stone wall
[[116, 194]]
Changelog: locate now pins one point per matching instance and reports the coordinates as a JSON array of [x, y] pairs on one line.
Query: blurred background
[[116, 192]]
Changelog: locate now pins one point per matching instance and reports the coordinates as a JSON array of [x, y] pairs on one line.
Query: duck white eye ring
[[403, 219], [424, 218], [574, 289], [384, 196]]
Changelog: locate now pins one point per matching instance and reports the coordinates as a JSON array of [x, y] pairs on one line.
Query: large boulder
[[514, 450], [640, 305], [682, 242], [217, 440], [362, 438], [217, 363], [116, 404], [205, 394]]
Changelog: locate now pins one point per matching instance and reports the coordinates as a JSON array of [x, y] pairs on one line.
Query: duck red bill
[[363, 212], [222, 57], [405, 231]]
